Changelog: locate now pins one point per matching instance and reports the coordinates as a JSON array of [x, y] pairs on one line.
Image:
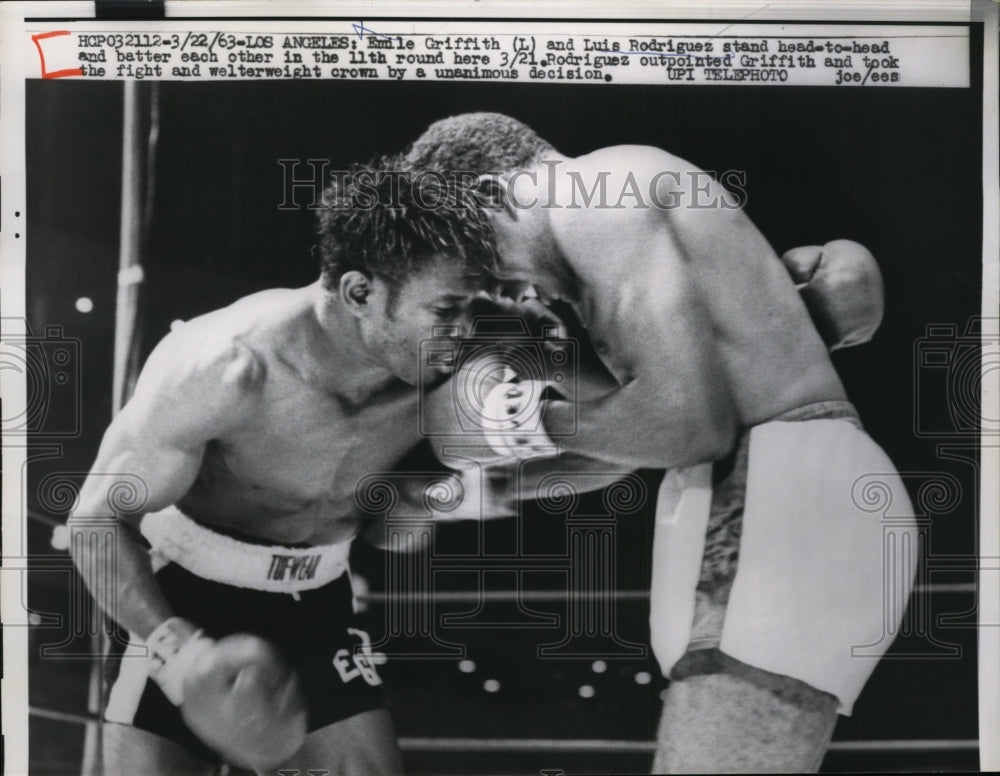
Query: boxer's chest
[[310, 446]]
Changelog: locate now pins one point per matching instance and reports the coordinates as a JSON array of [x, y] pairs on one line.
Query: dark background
[[898, 170]]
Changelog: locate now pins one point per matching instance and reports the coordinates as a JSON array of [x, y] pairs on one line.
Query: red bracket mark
[[55, 73]]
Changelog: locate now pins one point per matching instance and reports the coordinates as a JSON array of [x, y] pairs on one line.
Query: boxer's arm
[[673, 408], [484, 492], [155, 445], [842, 288], [536, 477], [492, 491], [638, 426]]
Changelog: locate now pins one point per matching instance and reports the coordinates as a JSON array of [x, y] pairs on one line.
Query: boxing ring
[[409, 613], [410, 602], [457, 749]]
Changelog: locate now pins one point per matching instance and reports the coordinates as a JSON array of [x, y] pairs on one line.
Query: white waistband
[[176, 538]]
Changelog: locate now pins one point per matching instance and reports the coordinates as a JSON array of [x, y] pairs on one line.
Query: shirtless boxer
[[250, 428], [766, 572]]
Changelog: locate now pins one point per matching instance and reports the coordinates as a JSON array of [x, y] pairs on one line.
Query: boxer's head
[[499, 150], [403, 253], [479, 143]]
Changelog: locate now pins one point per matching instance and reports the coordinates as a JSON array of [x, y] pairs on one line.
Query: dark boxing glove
[[842, 287], [236, 694]]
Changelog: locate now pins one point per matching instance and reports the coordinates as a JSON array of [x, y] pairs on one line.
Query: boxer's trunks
[[774, 558], [306, 610]]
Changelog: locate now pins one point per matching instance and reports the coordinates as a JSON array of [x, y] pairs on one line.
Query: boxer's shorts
[[314, 629], [776, 558]]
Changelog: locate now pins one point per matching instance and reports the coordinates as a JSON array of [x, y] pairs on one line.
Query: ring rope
[[472, 745]]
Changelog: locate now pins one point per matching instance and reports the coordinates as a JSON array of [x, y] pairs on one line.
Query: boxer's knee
[[721, 715]]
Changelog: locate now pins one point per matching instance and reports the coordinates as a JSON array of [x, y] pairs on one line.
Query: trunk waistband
[[176, 538], [820, 410]]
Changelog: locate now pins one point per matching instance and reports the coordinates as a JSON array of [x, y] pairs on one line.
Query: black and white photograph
[[485, 389]]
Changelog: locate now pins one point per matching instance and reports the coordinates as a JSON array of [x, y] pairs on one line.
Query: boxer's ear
[[354, 290], [492, 192]]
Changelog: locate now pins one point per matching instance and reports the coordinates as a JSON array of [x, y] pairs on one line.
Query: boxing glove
[[236, 694], [841, 286], [244, 701], [511, 418], [561, 336], [521, 343]]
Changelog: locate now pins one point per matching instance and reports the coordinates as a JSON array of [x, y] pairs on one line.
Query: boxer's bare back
[[687, 304]]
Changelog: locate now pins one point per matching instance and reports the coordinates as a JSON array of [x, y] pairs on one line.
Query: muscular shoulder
[[196, 385], [610, 205], [637, 182], [239, 341], [259, 320], [207, 376], [640, 159], [632, 173], [195, 357]]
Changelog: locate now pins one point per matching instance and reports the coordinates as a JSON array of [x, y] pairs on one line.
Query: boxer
[[248, 430], [766, 570]]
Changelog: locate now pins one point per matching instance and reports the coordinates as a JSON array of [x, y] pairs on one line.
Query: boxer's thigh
[[743, 721], [130, 751], [364, 744]]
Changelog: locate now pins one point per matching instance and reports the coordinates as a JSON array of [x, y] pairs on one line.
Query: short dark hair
[[477, 142], [385, 220]]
